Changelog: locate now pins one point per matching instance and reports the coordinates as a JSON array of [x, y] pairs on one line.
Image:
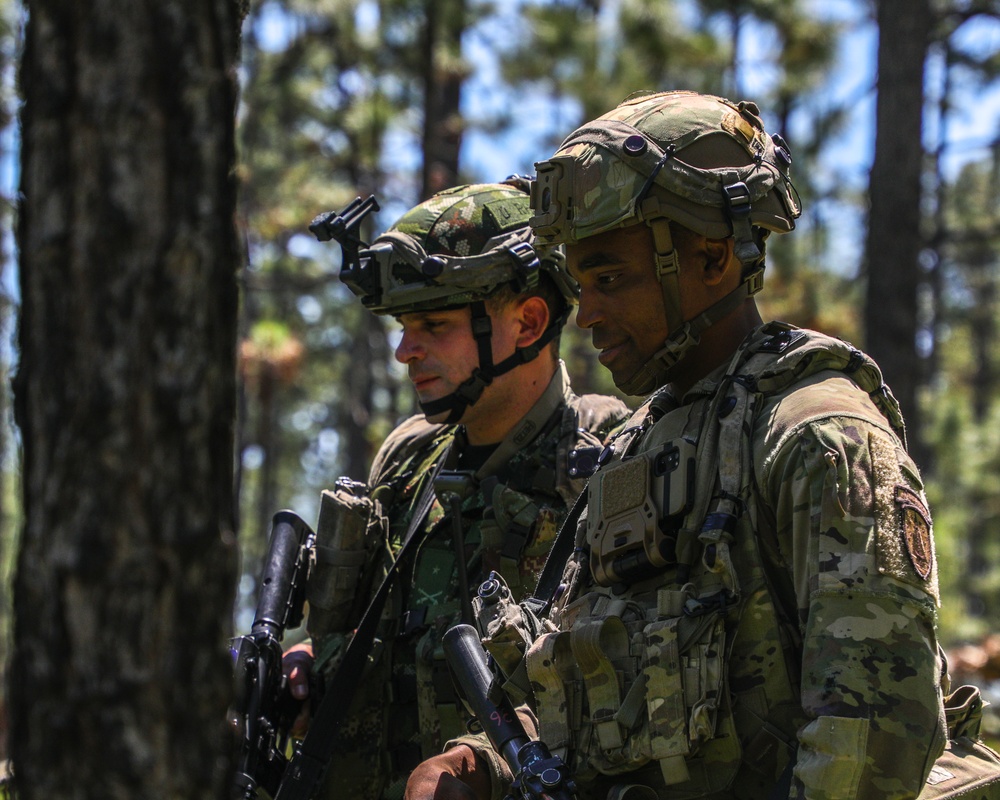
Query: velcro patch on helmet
[[506, 214], [734, 123]]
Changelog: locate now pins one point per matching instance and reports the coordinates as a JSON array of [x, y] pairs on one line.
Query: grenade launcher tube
[[277, 607], [471, 672], [538, 775]]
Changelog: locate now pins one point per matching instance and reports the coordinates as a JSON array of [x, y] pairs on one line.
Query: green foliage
[[962, 406], [964, 498]]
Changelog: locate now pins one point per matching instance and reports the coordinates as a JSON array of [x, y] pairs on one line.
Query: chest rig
[[501, 516], [646, 656]]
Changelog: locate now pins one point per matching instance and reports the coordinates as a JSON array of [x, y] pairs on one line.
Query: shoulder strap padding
[[803, 353], [587, 421], [597, 413]]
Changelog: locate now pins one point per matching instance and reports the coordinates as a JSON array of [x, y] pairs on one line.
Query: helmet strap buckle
[[754, 282], [528, 265], [738, 205]]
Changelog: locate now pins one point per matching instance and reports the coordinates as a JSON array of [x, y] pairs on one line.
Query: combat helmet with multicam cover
[[457, 248], [699, 160]]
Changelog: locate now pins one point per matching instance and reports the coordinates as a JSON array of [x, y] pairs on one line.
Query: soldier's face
[[440, 352], [620, 297]]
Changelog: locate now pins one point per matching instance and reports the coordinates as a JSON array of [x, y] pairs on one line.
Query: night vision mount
[[343, 226]]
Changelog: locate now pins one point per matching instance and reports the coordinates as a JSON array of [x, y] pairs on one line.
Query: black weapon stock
[[538, 775], [265, 708]]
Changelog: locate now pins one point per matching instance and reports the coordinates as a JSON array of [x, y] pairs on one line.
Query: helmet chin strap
[[685, 335], [471, 389]]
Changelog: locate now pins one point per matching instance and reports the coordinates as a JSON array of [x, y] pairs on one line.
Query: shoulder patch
[[903, 523], [915, 529]]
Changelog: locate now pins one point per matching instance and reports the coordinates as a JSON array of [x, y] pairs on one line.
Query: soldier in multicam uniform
[[502, 435], [749, 610]]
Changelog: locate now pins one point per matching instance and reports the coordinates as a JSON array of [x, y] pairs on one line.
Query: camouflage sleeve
[[852, 523]]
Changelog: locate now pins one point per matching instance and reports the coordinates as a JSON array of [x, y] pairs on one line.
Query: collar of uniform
[[556, 394], [527, 428], [708, 385]]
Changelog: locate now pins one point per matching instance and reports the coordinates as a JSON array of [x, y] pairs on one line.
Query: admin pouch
[[967, 768], [346, 534]]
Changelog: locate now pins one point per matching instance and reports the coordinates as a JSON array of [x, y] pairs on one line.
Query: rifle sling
[[562, 549]]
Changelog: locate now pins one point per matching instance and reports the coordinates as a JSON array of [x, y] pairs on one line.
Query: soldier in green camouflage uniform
[[460, 274], [750, 608]]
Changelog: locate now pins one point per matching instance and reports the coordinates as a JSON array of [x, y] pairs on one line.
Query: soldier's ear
[[720, 258], [533, 318]]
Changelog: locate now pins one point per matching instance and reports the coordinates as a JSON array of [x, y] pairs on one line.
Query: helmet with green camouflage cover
[[701, 161], [458, 248]]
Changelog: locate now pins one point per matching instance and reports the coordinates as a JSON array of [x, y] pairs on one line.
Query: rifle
[[538, 775], [264, 705]]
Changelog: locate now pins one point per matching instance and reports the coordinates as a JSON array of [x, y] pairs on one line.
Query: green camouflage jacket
[[406, 708], [783, 642]]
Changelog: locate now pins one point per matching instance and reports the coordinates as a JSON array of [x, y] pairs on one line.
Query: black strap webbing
[[471, 389], [562, 549]]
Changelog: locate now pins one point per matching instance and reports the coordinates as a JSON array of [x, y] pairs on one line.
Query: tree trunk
[[356, 445], [443, 78], [894, 235], [125, 397]]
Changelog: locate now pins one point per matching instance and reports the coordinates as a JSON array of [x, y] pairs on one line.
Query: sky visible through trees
[[540, 121]]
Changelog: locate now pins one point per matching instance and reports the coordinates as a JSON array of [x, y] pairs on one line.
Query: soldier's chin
[[439, 418]]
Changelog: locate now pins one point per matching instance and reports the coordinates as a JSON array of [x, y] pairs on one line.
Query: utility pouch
[[634, 509], [342, 535], [967, 768], [506, 628]]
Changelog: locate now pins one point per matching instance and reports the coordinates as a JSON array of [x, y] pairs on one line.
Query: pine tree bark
[[125, 397], [894, 228]]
